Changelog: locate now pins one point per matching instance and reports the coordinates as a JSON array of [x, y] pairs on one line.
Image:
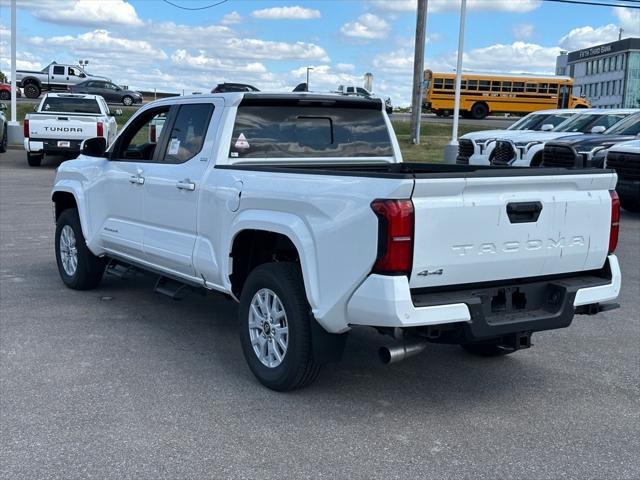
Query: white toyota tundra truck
[[299, 207], [62, 121]]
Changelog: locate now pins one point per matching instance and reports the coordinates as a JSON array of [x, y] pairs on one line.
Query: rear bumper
[[387, 301], [46, 145]]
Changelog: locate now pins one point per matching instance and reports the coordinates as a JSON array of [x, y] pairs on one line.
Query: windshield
[[70, 105], [536, 121], [631, 126], [584, 123]]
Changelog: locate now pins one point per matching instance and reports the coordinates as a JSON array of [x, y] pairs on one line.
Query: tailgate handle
[[524, 212]]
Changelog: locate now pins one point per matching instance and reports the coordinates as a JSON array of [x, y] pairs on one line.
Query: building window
[[588, 68]]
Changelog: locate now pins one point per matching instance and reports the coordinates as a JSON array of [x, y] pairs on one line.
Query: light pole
[[418, 70], [83, 64], [14, 134], [308, 70]]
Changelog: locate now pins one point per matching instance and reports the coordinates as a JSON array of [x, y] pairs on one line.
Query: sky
[[147, 44]]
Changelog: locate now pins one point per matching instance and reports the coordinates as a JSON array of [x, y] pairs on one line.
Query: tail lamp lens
[[100, 129], [25, 128], [395, 236], [615, 221]]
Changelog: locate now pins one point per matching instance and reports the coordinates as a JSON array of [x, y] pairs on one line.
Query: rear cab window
[[314, 130], [70, 105]]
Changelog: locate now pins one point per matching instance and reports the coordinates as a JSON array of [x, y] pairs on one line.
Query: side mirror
[[82, 75], [94, 147], [598, 129], [547, 127], [3, 106]]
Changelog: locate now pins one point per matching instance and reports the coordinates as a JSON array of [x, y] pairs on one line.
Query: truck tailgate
[[68, 127], [483, 229]]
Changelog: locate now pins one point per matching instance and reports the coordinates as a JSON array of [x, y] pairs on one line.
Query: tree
[[3, 77]]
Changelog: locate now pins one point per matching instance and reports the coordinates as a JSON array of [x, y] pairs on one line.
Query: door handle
[[524, 212], [186, 185], [136, 179]]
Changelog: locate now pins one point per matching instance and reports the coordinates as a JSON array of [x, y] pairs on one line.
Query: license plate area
[[64, 144]]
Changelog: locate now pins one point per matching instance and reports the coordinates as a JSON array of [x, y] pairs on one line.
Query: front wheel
[[127, 100], [275, 327], [78, 267]]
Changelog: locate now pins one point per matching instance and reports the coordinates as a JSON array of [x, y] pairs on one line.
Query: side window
[[138, 142], [188, 132], [58, 70], [484, 85], [72, 72]]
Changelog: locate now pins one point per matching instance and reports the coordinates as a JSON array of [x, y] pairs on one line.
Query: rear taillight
[[615, 221], [395, 236], [25, 128], [100, 129]]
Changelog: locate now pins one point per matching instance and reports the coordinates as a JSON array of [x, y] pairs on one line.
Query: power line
[[195, 8], [598, 4]]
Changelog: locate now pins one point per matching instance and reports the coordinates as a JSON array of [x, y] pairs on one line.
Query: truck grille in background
[[465, 150], [502, 154], [626, 165], [559, 156]]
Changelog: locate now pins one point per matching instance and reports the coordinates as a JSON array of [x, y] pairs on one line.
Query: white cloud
[[629, 20], [345, 67], [231, 18], [286, 13], [588, 36], [435, 6], [201, 61], [325, 78], [523, 31], [81, 12], [368, 26], [515, 57]]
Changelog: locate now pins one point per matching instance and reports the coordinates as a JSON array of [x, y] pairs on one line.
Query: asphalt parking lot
[[120, 382]]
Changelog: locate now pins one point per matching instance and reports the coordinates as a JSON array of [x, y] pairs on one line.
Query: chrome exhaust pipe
[[397, 353]]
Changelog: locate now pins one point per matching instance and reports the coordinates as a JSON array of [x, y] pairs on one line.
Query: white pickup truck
[[299, 207], [62, 121]]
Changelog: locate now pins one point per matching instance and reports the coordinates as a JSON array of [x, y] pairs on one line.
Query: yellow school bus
[[483, 94]]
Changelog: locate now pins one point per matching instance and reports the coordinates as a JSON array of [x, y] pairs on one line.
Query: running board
[[120, 270], [172, 288]]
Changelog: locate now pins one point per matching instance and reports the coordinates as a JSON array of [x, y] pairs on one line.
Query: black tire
[[630, 205], [479, 110], [5, 95], [127, 100], [4, 141], [298, 368], [34, 159], [31, 90], [90, 268], [486, 349]]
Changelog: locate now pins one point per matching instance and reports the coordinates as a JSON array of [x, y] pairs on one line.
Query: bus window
[[543, 88], [495, 86], [473, 84], [484, 85], [553, 88], [506, 86], [518, 86], [437, 83], [448, 83], [532, 88], [463, 84]]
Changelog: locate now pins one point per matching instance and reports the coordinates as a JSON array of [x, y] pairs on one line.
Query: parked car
[[234, 87], [526, 149], [298, 207], [62, 121], [474, 148], [3, 128], [589, 150], [364, 93], [53, 77], [624, 158], [111, 92], [5, 91]]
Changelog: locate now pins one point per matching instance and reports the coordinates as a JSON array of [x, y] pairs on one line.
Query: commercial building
[[607, 75]]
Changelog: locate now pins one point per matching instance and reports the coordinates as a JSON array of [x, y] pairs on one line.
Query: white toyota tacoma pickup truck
[[299, 207], [62, 121]]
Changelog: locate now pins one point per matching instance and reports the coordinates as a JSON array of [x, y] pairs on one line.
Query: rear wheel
[[78, 267], [487, 349], [31, 90], [479, 111], [3, 142], [275, 327], [34, 159]]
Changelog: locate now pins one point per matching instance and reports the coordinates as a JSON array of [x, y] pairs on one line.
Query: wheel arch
[[65, 197], [31, 80]]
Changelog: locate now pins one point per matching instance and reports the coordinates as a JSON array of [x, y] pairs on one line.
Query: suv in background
[[624, 158], [111, 92], [234, 87]]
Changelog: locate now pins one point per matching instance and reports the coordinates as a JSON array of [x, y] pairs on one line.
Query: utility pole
[[418, 70], [308, 70], [620, 33]]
